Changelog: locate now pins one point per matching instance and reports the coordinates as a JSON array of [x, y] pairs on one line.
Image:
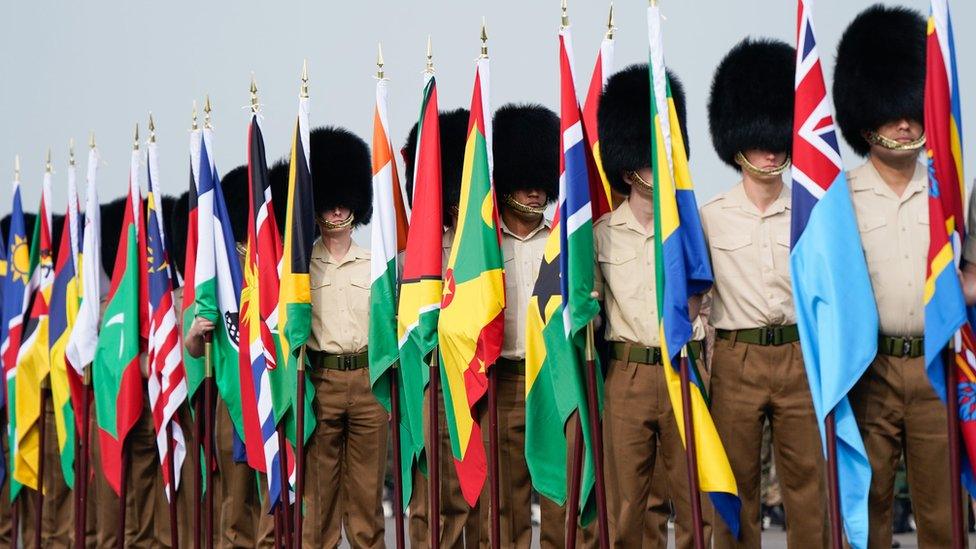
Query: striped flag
[[15, 302], [946, 321], [683, 270], [194, 366], [836, 313], [389, 239], [599, 187], [472, 322], [167, 377], [65, 301], [34, 360]]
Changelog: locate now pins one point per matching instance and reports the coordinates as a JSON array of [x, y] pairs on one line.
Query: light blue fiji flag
[[835, 308]]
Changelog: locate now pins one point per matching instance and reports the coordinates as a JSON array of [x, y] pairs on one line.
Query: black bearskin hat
[[526, 149], [112, 215], [234, 185], [751, 103], [880, 72], [623, 121], [454, 129], [178, 218], [342, 173]]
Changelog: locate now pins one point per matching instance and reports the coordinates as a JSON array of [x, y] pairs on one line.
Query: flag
[[167, 377], [295, 297], [34, 360], [836, 313], [389, 239], [15, 301], [472, 322], [258, 313], [116, 376], [599, 187], [65, 301], [195, 283], [946, 319], [561, 305], [421, 286], [682, 270]]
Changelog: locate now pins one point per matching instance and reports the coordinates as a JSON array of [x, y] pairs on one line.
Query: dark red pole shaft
[[833, 483], [955, 467], [15, 523], [575, 479], [208, 439], [596, 438], [300, 449], [39, 512], [81, 514], [174, 531], [123, 490], [283, 495], [691, 455], [397, 461], [493, 486], [201, 470], [434, 479], [277, 529]]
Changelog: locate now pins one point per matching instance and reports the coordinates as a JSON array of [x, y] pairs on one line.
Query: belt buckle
[[345, 362], [768, 336], [906, 347]]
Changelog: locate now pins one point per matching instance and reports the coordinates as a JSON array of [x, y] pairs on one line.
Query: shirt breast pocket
[[622, 273], [727, 251], [781, 255], [359, 294], [878, 247], [322, 294]]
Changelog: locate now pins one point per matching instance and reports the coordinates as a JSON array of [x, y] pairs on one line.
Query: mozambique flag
[[34, 360], [295, 294], [15, 301], [421, 286], [472, 321], [599, 187], [946, 320], [683, 270], [389, 239], [116, 377], [65, 302]]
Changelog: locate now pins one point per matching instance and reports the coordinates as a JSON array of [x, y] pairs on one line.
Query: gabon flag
[[116, 377], [471, 324], [599, 187]]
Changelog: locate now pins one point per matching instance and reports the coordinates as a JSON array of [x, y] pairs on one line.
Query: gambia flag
[[683, 270], [34, 360], [561, 306], [116, 377], [599, 187], [295, 294], [472, 321], [65, 301], [421, 286]]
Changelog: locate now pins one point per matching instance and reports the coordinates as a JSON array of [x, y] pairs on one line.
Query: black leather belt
[[512, 365], [908, 347], [329, 361], [767, 335], [645, 355]]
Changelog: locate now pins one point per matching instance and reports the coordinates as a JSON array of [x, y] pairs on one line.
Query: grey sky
[[73, 67]]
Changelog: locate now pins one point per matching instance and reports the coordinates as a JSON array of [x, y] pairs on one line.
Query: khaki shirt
[[340, 300], [895, 236], [750, 260], [625, 279], [522, 259]]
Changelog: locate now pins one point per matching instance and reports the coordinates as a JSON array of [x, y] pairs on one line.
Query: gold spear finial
[[206, 112], [430, 56], [484, 37], [91, 140], [565, 19], [379, 61], [71, 151], [254, 95], [304, 92], [610, 25], [152, 128], [652, 2], [47, 163], [17, 167], [193, 124], [135, 140]]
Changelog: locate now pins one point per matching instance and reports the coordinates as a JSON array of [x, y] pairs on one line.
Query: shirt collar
[[321, 253], [544, 224], [624, 216], [736, 198], [866, 177]]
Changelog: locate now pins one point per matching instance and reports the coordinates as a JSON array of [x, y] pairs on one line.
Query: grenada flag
[[471, 324]]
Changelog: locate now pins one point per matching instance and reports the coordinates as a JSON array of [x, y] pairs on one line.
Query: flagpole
[[208, 436], [397, 462], [300, 446], [572, 503], [833, 483], [691, 455], [493, 457], [201, 461], [596, 436], [81, 512], [434, 478], [285, 489], [955, 467], [39, 512], [123, 490], [15, 507], [171, 471]]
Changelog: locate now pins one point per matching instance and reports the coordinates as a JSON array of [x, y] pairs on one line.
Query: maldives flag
[[472, 318], [116, 377]]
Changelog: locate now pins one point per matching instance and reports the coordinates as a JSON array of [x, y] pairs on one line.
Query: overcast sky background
[[69, 68]]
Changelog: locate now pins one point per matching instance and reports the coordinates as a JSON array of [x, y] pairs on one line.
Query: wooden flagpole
[[493, 486], [833, 483], [434, 475], [397, 460], [208, 437], [596, 436], [575, 479], [300, 447], [81, 500], [39, 512], [959, 538], [691, 454]]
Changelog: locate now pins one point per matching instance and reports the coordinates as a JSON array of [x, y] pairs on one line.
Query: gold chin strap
[[640, 182], [331, 226], [876, 138], [523, 208], [741, 160]]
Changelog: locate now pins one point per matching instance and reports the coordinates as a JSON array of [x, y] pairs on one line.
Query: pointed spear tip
[[206, 104], [91, 140], [610, 25], [430, 55], [484, 37], [565, 13], [71, 151], [152, 128], [254, 94], [135, 140], [379, 60], [193, 124], [304, 89], [16, 167], [47, 162]]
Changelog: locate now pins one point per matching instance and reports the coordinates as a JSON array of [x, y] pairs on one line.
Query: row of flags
[[424, 311]]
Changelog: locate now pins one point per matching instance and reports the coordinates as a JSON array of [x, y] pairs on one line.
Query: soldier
[[460, 524], [879, 88], [526, 177], [757, 366], [638, 422]]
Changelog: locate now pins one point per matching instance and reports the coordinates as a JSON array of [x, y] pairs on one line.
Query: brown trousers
[[237, 508], [552, 531], [898, 411], [57, 526], [6, 514], [346, 461], [639, 424], [460, 524], [750, 385]]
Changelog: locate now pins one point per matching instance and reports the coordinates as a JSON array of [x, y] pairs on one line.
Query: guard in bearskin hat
[[757, 365], [879, 85], [639, 428]]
